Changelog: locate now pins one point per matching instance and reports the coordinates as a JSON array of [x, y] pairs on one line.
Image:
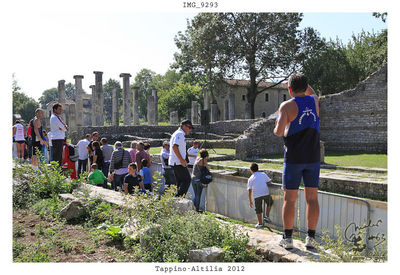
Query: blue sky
[[56, 43]]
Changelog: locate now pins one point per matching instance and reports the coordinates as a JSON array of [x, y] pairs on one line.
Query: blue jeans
[[198, 189]]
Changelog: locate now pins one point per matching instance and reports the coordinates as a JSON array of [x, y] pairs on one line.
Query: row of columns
[[75, 112], [98, 102]]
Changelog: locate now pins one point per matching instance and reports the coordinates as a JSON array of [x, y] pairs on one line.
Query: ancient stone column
[[126, 98], [154, 94], [214, 112], [115, 113], [188, 113], [94, 104], [136, 106], [231, 111], [206, 100], [173, 117], [247, 111], [61, 98], [61, 92], [226, 109], [99, 98], [151, 113], [72, 118], [79, 100], [195, 113]]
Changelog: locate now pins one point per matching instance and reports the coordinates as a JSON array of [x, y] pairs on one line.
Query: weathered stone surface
[[135, 105], [67, 197], [208, 254], [183, 205], [126, 96], [74, 210], [99, 98], [131, 228]]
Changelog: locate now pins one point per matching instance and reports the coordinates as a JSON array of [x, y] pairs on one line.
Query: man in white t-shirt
[[257, 185], [177, 157], [192, 153], [83, 154]]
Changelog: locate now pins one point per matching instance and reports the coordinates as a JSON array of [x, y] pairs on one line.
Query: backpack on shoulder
[[73, 153], [205, 175]]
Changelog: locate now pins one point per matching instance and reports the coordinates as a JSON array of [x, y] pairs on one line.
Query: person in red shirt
[[66, 162]]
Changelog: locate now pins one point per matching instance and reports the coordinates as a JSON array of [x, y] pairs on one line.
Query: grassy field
[[334, 158]]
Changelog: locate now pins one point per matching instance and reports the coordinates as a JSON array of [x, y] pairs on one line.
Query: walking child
[[257, 185]]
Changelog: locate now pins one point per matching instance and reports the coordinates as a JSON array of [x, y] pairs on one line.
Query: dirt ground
[[66, 242]]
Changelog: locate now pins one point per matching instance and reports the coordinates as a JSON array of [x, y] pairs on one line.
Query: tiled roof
[[245, 83]]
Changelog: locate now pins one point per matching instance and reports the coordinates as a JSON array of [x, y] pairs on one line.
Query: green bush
[[49, 207], [34, 185], [180, 232], [341, 250]]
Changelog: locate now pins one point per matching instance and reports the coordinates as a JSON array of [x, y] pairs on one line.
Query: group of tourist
[[297, 122]]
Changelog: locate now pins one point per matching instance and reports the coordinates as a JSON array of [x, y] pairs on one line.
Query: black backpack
[[73, 154], [205, 176]]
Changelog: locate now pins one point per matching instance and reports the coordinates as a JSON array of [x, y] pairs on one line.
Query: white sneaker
[[310, 242], [267, 219], [259, 226], [286, 243]]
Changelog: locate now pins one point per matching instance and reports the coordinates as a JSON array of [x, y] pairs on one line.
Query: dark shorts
[[258, 202], [20, 141], [293, 173], [36, 146]]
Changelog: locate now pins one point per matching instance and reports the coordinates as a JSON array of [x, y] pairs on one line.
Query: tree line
[[259, 47]]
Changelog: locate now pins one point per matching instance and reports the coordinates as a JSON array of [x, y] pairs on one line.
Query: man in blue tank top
[[298, 123]]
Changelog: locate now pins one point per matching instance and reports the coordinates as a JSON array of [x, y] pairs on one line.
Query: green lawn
[[356, 159], [219, 151], [334, 158], [349, 159]]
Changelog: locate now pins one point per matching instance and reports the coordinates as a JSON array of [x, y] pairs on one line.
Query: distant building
[[266, 102]]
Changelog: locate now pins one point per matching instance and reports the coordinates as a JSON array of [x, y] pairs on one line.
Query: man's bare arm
[[281, 121], [36, 129]]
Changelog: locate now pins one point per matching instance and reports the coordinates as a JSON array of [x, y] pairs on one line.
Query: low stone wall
[[362, 189], [114, 133]]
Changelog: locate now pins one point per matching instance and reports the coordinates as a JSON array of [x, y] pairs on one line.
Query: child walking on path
[[257, 185]]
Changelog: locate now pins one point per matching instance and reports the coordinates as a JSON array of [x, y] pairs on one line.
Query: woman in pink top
[[132, 150]]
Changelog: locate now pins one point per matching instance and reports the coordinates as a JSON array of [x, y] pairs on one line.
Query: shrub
[[32, 185], [341, 250]]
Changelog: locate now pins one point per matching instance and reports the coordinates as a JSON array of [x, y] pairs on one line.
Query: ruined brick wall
[[113, 133], [353, 120], [356, 120]]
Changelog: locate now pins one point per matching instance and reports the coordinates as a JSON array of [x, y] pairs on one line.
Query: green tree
[[367, 52], [107, 90], [179, 98], [254, 46], [48, 96], [329, 70], [145, 81], [22, 104]]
